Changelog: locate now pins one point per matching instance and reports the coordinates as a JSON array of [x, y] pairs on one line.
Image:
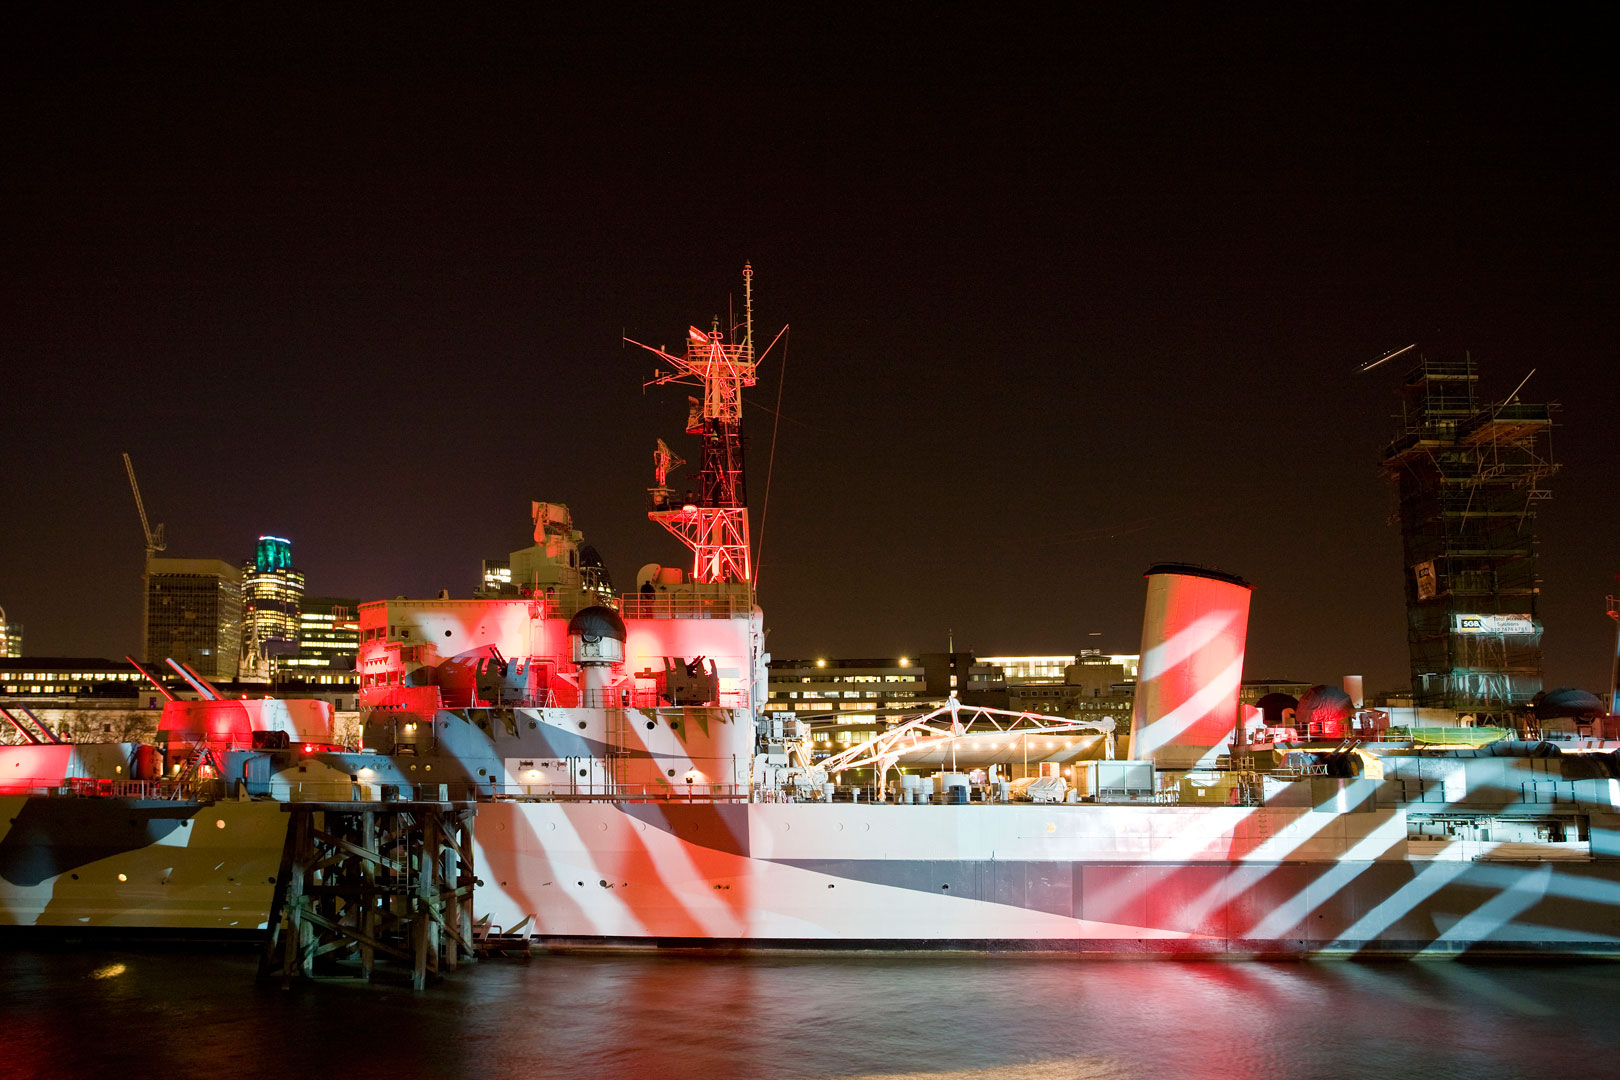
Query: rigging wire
[[770, 463]]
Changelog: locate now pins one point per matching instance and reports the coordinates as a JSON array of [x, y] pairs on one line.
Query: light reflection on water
[[803, 1016]]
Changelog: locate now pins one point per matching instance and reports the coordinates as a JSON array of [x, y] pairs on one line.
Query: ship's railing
[[373, 791], [623, 792], [683, 605], [92, 788], [621, 698], [561, 696], [460, 791]]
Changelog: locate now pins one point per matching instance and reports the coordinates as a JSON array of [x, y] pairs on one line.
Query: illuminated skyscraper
[[272, 591], [194, 614]]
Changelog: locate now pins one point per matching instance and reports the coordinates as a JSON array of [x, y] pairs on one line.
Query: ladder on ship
[[617, 732]]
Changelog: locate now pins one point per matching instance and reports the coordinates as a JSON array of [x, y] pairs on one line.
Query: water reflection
[[803, 1016]]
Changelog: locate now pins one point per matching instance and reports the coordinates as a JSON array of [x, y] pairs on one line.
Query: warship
[[631, 787]]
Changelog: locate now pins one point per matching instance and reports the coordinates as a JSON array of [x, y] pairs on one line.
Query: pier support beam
[[363, 882]]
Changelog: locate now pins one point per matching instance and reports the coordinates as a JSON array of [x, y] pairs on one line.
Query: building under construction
[[1469, 476]]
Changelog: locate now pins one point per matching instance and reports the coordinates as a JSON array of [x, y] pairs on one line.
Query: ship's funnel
[[1193, 634]]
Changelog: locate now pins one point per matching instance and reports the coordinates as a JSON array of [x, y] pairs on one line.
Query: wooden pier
[[368, 882]]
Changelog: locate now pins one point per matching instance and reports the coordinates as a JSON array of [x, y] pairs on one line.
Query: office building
[[328, 642], [11, 636], [272, 590], [194, 614]]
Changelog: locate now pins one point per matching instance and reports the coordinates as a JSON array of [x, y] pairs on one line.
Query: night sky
[[1066, 298]]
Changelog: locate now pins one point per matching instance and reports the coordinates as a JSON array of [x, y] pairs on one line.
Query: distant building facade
[[11, 636], [872, 688], [194, 614], [851, 700], [68, 678], [328, 642]]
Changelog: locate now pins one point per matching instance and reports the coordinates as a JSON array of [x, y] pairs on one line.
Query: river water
[[73, 1011]]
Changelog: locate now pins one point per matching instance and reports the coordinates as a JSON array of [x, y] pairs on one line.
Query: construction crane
[[154, 544]]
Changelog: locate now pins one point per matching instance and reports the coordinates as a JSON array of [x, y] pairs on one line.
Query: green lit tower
[[272, 593]]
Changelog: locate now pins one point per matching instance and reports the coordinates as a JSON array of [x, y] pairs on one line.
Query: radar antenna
[[712, 521]]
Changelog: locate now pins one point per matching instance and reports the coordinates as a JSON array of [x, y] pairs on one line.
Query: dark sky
[[1067, 298]]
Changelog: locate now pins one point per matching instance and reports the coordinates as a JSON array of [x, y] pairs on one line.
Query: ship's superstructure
[[713, 520], [631, 787]]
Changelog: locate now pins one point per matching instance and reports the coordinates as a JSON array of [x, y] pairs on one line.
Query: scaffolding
[[1468, 477]]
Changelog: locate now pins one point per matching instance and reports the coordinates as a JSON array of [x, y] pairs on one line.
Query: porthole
[[447, 633], [651, 725], [582, 772], [582, 725], [947, 888], [672, 772]]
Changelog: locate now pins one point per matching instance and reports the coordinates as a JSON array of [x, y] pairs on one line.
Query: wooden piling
[[363, 882]]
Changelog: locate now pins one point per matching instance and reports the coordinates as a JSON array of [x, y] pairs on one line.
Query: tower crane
[[154, 544]]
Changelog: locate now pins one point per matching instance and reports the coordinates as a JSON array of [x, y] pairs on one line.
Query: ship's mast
[[713, 520]]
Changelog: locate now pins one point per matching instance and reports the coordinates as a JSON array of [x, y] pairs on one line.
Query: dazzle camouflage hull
[[1100, 880]]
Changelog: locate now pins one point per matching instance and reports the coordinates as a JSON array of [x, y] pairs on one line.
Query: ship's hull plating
[[1130, 881], [122, 864]]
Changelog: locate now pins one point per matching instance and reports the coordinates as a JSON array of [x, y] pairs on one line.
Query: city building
[[11, 636], [194, 614], [68, 678], [272, 590], [857, 690], [1469, 475], [495, 579], [846, 701], [328, 642]]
